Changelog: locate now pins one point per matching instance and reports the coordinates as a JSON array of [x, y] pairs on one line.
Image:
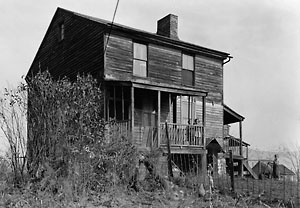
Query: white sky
[[262, 81]]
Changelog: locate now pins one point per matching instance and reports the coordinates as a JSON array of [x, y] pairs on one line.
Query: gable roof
[[282, 169], [153, 37]]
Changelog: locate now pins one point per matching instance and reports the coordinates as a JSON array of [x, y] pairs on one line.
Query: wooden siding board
[[164, 64], [118, 58], [209, 77]]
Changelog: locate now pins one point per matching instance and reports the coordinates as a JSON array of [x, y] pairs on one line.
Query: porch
[[234, 144], [148, 113]]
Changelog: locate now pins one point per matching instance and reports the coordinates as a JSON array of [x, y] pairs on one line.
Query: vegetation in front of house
[[70, 160]]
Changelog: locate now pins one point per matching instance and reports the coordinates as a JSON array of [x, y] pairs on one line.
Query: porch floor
[[183, 149]]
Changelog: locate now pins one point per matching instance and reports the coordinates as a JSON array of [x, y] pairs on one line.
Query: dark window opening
[[61, 31], [118, 102]]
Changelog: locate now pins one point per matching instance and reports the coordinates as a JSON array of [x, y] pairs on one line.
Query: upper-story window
[[140, 59], [187, 69], [61, 31]]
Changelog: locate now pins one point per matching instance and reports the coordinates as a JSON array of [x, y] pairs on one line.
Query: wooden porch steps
[[247, 166]]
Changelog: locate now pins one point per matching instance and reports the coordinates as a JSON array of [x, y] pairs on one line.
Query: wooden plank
[[132, 110], [158, 117], [170, 171]]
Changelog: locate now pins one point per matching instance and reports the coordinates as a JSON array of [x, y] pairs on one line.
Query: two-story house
[[152, 82]]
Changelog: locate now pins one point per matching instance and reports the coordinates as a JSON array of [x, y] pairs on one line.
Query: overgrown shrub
[[67, 149]]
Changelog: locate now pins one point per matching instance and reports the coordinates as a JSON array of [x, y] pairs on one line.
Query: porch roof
[[150, 85], [230, 116], [170, 88]]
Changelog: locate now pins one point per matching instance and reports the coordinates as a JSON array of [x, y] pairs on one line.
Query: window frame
[[186, 69], [62, 31], [139, 59]]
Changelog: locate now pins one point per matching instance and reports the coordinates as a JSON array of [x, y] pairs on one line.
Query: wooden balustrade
[[179, 134], [182, 134], [119, 128], [234, 146]]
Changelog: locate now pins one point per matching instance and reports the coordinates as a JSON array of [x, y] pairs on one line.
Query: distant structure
[[265, 168]]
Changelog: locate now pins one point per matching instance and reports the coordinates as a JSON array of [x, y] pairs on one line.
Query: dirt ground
[[124, 198]]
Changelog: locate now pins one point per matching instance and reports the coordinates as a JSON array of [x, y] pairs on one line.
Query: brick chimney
[[168, 26]]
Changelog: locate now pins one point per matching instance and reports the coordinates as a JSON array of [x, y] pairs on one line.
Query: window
[[140, 59], [61, 31], [187, 69]]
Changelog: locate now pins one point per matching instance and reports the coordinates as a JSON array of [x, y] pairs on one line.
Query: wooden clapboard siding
[[80, 52], [164, 64], [118, 58], [209, 77], [214, 117], [214, 120]]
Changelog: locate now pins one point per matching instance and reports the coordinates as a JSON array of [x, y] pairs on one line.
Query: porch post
[[203, 120], [132, 113], [122, 88], [204, 155], [105, 104], [241, 149], [158, 117], [241, 140], [170, 108], [115, 107], [189, 110], [181, 118], [174, 109]]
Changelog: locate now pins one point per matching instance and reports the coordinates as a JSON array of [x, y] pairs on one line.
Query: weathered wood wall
[[80, 52], [164, 66], [214, 116]]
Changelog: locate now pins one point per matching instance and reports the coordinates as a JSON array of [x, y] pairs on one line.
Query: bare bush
[[13, 115], [293, 155]]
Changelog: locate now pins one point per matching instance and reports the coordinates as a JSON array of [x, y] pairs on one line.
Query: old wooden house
[[151, 81]]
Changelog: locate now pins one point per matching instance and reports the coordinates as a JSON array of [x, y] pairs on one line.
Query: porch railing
[[182, 134], [234, 146], [179, 134], [119, 128]]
